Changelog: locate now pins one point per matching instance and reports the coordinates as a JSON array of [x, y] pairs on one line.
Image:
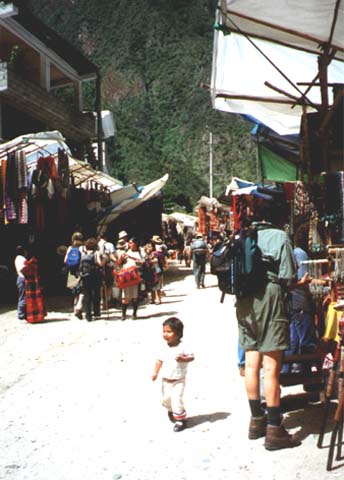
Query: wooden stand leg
[[337, 434], [338, 429], [328, 395], [340, 438]]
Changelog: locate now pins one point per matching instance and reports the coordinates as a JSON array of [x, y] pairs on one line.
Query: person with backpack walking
[[90, 278], [72, 261], [199, 251], [263, 321], [107, 251]]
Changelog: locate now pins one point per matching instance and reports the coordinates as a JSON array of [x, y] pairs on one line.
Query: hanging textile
[[35, 308], [3, 189], [302, 202], [21, 169], [202, 220], [214, 221], [22, 183], [11, 194], [63, 172]]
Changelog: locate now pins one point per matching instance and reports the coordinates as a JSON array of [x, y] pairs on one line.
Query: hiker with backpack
[[90, 278], [107, 251], [263, 319], [199, 251], [72, 261]]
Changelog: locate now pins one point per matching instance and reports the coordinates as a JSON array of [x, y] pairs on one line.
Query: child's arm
[[158, 364], [185, 358]]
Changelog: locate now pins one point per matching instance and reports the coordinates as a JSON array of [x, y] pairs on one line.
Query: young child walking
[[173, 361]]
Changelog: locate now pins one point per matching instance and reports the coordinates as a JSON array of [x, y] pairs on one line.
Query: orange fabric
[[202, 220], [214, 222]]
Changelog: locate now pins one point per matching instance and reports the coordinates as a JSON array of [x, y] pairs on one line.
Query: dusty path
[[77, 401]]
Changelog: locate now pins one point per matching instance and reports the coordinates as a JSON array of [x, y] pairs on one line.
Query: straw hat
[[156, 239], [61, 250], [122, 235]]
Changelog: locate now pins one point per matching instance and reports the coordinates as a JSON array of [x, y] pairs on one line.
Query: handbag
[[72, 281], [127, 277]]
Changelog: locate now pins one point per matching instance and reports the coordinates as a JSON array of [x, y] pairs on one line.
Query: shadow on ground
[[207, 417], [309, 419]]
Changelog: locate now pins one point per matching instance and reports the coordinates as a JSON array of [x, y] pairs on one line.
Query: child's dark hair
[[175, 324]]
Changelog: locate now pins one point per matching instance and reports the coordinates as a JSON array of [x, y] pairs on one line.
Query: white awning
[[265, 75], [183, 218], [305, 25], [125, 205]]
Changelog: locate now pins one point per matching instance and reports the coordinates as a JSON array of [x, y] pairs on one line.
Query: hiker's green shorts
[[263, 320]]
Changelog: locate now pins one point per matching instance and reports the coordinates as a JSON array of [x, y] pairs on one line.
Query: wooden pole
[[99, 122]]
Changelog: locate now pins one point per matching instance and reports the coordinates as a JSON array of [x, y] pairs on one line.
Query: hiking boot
[[278, 437], [257, 427]]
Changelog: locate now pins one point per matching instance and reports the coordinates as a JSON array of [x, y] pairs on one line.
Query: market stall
[[214, 218], [46, 194]]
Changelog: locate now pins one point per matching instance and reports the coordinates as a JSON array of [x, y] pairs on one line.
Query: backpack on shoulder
[[88, 268], [73, 259], [199, 248], [239, 265]]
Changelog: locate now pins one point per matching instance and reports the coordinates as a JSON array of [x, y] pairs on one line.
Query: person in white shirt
[[173, 361], [19, 262]]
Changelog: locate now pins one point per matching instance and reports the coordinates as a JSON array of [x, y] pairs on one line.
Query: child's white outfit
[[173, 375]]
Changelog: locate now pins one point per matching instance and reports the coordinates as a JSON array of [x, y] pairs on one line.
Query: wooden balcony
[[36, 102]]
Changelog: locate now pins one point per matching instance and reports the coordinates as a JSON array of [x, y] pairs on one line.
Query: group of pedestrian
[[118, 275]]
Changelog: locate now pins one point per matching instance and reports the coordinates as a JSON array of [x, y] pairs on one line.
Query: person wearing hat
[[121, 247], [157, 240], [161, 249], [199, 251], [123, 235], [125, 259]]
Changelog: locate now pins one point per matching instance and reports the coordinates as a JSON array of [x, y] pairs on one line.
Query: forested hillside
[[153, 56]]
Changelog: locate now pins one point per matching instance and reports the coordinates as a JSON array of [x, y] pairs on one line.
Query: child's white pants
[[172, 397]]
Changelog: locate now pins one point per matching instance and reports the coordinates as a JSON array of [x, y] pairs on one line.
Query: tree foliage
[[153, 56]]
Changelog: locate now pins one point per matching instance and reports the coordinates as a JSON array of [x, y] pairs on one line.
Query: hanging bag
[[127, 277]]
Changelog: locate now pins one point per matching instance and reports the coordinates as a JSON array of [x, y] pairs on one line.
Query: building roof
[[52, 40]]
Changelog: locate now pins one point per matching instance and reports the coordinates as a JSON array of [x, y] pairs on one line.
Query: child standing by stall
[[173, 361]]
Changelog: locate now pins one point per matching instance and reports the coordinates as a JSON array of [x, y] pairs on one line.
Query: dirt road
[[77, 401]]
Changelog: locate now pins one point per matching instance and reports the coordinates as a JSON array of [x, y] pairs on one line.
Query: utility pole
[[210, 164]]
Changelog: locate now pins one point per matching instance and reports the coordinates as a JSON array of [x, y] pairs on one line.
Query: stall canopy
[[265, 58], [130, 200], [182, 218], [237, 186], [47, 143]]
